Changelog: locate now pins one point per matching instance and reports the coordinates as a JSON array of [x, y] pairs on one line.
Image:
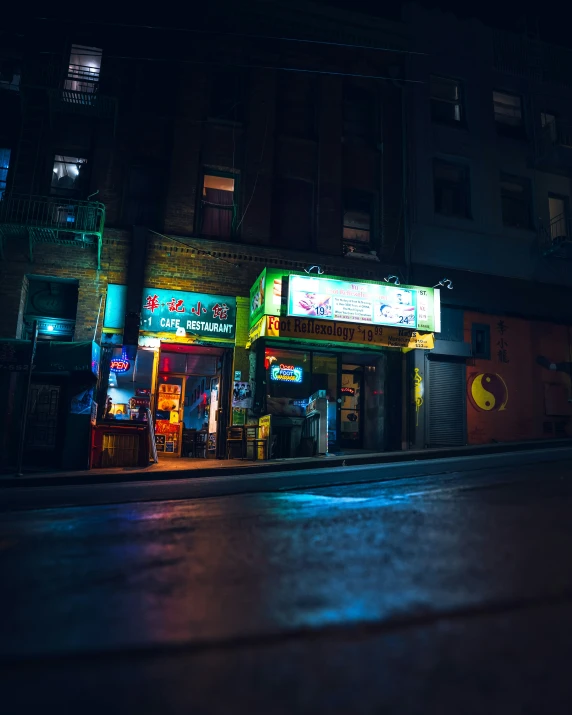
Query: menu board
[[372, 303]]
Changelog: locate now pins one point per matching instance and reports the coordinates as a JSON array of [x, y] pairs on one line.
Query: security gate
[[447, 422]]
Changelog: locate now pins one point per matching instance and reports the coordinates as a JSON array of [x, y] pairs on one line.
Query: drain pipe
[[98, 314]]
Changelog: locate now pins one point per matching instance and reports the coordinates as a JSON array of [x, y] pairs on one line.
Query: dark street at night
[[445, 593]]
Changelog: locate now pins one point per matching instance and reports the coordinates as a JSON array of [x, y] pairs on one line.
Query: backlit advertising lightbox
[[371, 303]]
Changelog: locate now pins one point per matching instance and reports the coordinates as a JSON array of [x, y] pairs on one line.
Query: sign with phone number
[[332, 331]]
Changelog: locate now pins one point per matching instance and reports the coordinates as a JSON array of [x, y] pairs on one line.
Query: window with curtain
[[69, 176], [508, 114], [218, 205], [4, 165]]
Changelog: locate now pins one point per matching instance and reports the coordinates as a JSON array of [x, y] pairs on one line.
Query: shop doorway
[[190, 401], [351, 407]]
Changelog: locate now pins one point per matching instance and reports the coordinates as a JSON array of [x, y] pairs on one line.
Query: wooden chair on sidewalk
[[235, 443]]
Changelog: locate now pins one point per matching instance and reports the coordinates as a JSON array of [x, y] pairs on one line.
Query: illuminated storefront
[[318, 340], [181, 375]]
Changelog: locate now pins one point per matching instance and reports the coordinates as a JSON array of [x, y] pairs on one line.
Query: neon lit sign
[[348, 391], [286, 373], [119, 365], [370, 303]]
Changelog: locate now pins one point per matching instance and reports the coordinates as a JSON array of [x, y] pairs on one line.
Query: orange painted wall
[[511, 396]]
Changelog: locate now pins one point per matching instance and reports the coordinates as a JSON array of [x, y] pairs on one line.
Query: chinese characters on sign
[[502, 345], [183, 313]]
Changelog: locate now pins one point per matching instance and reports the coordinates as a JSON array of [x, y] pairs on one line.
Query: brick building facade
[[308, 135]]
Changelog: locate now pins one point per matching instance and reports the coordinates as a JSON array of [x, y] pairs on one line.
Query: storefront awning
[[51, 356]]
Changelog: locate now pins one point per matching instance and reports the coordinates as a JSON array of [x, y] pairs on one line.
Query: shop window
[[481, 341], [293, 205], [451, 189], [358, 114], [218, 207], [516, 198], [288, 381], [357, 222], [129, 387], [446, 101], [4, 165], [69, 176], [296, 110], [508, 115]]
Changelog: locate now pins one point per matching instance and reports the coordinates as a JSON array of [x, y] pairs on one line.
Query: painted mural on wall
[[487, 391], [523, 390]]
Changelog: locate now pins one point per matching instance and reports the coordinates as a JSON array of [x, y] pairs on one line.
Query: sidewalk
[[195, 468]]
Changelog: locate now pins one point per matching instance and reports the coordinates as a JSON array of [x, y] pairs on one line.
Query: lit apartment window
[[452, 189], [83, 69], [4, 164], [508, 114], [218, 205], [357, 222], [69, 176], [446, 101], [516, 198]]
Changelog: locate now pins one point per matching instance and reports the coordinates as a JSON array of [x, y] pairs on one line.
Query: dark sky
[[551, 21]]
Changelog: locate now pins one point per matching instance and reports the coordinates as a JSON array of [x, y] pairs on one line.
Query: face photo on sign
[[313, 304]]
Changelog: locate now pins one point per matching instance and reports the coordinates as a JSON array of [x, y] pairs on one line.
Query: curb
[[383, 458]]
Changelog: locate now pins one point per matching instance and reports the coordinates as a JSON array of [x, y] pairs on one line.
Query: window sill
[[450, 125]]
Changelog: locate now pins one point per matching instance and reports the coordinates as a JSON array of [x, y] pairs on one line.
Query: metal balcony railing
[[556, 239], [71, 88], [52, 219]]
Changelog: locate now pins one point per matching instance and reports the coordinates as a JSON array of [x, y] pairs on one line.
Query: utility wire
[[260, 67], [274, 38]]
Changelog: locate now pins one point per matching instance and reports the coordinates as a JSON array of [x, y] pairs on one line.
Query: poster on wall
[[242, 395], [370, 303]]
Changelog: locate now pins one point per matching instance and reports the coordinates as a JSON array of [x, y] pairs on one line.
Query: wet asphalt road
[[437, 594]]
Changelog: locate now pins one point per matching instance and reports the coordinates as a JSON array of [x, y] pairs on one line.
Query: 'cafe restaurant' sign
[[181, 313]]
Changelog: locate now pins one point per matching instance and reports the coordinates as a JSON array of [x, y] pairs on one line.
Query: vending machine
[[317, 416]]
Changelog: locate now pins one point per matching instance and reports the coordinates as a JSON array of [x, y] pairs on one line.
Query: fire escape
[[27, 212]]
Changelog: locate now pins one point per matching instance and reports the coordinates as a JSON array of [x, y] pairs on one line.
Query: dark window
[[548, 124], [516, 197], [218, 207], [296, 110], [357, 222], [69, 176], [143, 196], [358, 114], [293, 203], [446, 101], [452, 189], [4, 164], [481, 339], [226, 96], [508, 114]]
